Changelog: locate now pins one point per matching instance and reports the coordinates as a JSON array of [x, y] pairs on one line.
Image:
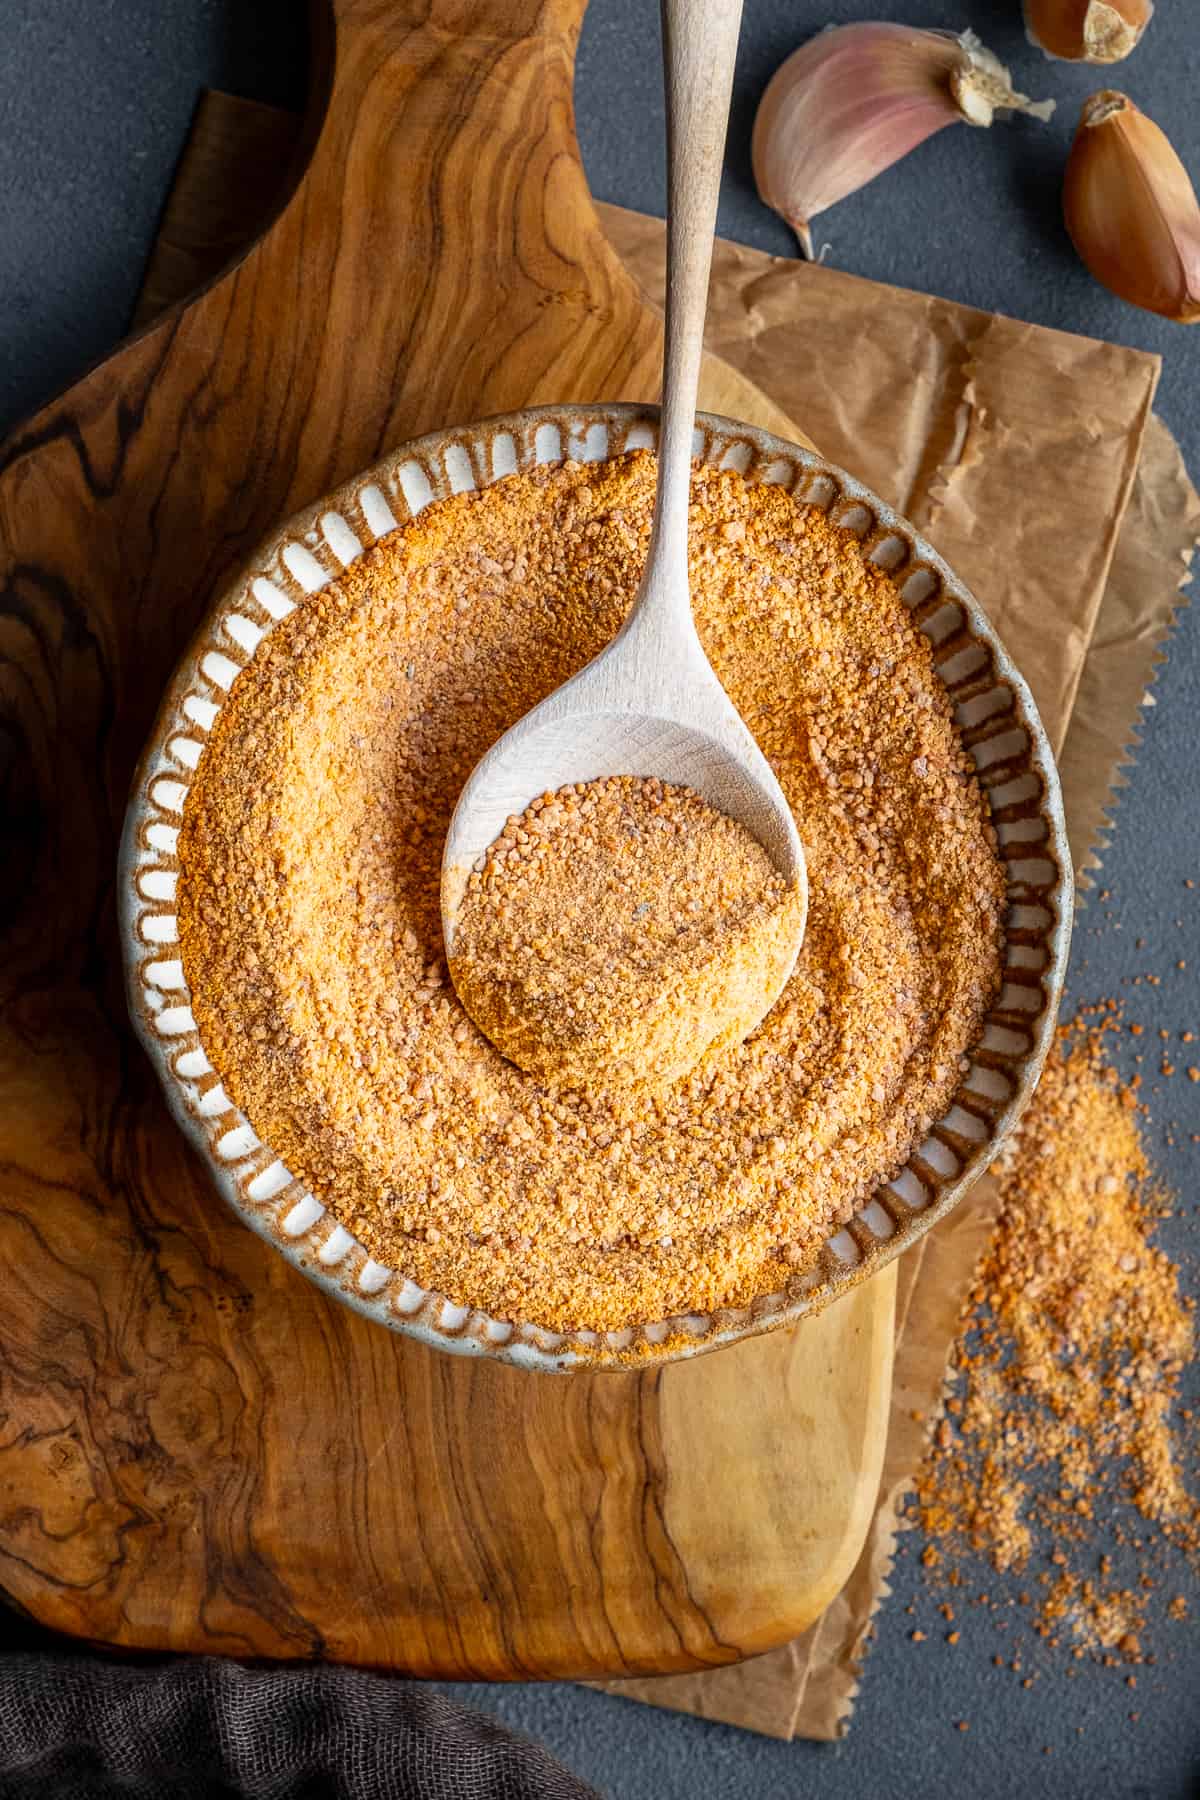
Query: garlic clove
[[856, 98], [1095, 31], [1131, 209]]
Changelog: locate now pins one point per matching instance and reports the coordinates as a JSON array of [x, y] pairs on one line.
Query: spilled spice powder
[[1066, 1373], [621, 929]]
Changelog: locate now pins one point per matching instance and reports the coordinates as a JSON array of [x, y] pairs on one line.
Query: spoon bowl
[[594, 726]]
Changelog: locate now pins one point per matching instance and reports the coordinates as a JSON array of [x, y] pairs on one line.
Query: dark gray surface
[[95, 100]]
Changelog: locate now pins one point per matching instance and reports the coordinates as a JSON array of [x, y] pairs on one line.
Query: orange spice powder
[[618, 931], [1065, 1377], [311, 928]]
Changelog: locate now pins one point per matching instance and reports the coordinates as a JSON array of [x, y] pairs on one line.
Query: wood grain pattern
[[197, 1450]]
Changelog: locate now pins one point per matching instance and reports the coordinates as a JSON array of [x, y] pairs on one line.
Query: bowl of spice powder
[[279, 896]]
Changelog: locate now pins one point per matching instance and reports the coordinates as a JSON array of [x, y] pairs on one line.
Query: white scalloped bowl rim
[[1001, 728]]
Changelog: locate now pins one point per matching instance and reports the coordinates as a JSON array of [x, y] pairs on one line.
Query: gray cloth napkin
[[79, 1728]]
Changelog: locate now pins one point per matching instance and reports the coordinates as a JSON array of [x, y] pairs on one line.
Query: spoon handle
[[699, 47]]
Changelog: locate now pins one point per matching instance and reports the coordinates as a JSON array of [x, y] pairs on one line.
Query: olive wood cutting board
[[198, 1450]]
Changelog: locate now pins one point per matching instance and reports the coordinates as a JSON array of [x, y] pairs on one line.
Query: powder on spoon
[[620, 930]]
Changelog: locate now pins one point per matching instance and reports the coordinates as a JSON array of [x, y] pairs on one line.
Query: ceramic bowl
[[1000, 727]]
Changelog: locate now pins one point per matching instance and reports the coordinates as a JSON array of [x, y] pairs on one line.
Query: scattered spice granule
[[310, 920], [1067, 1368], [620, 930]]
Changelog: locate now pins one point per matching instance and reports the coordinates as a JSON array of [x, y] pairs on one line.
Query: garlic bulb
[[1096, 31], [856, 98], [1131, 209]]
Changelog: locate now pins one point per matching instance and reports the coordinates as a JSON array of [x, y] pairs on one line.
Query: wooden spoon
[[651, 703]]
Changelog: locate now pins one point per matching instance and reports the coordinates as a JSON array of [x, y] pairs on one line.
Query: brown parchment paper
[[1013, 447], [1032, 459]]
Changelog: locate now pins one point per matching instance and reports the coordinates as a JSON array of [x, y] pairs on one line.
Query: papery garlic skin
[[1131, 209], [857, 98], [1095, 31]]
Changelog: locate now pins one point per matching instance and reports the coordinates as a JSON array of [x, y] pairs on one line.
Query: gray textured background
[[95, 101]]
